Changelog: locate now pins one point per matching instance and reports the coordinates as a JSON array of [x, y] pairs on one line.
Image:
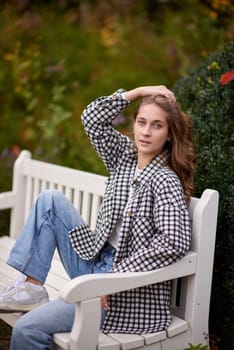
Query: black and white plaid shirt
[[155, 229]]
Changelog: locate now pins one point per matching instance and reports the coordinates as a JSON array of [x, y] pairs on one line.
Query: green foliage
[[50, 49], [197, 347], [209, 100]]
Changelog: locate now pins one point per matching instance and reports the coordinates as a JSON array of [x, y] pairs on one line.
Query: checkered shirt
[[155, 230]]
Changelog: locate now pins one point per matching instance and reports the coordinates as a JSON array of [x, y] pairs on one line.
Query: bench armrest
[[85, 292], [7, 200], [95, 285]]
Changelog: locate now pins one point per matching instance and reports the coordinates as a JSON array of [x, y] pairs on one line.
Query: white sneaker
[[19, 280], [22, 297]]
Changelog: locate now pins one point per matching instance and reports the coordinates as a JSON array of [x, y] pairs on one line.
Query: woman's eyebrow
[[153, 121], [158, 121]]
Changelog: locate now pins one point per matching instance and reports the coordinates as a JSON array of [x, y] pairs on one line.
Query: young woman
[[143, 223]]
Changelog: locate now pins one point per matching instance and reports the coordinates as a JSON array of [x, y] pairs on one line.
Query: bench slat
[[177, 326], [85, 209], [128, 341], [62, 340], [107, 343], [152, 338], [7, 242], [7, 200], [65, 176], [104, 341]]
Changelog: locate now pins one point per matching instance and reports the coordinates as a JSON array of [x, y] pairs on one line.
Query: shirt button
[[129, 213]]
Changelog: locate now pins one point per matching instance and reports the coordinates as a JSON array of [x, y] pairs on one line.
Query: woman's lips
[[144, 142]]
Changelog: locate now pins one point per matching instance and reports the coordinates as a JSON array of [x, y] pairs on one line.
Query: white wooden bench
[[191, 277]]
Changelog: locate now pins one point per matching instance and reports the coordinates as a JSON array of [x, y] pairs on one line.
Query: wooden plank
[[68, 193], [96, 201], [178, 342], [107, 343], [55, 281], [192, 205], [104, 342], [28, 197], [58, 269], [85, 209], [85, 181], [60, 187], [177, 326], [11, 318], [9, 271], [36, 189], [154, 346], [77, 199], [128, 341], [7, 242], [152, 338], [63, 340], [7, 200], [5, 279]]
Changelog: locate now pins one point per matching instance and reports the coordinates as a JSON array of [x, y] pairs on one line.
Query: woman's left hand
[[104, 302]]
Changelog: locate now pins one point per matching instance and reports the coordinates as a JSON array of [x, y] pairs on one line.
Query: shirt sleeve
[[97, 120]]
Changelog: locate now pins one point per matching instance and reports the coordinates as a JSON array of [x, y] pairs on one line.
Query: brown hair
[[180, 145]]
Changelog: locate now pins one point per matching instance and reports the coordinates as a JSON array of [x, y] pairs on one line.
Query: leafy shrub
[[57, 56], [197, 347], [207, 94]]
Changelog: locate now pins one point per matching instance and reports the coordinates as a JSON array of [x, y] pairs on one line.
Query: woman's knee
[[52, 199], [25, 335], [35, 329], [50, 194], [20, 330]]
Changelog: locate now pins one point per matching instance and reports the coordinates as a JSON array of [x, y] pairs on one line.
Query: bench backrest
[[190, 295], [31, 177]]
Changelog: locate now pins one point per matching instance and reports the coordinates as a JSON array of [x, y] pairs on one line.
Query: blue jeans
[[47, 228]]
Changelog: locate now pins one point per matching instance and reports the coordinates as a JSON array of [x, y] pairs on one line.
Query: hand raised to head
[[150, 90]]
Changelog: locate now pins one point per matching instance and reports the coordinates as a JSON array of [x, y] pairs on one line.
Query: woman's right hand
[[150, 90]]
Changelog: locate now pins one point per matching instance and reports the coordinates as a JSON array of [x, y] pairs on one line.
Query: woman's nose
[[146, 130]]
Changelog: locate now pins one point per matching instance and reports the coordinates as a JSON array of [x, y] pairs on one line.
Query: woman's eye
[[157, 126], [141, 122]]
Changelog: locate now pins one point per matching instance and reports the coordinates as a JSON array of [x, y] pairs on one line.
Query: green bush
[[208, 97], [197, 347]]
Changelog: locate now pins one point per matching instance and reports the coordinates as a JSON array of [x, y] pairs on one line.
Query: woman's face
[[150, 131]]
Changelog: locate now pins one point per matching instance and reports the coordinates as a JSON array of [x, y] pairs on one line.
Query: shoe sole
[[23, 308]]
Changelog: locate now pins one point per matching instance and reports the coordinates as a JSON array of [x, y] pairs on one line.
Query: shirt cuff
[[119, 94]]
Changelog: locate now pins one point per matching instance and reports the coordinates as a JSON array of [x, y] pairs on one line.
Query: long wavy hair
[[179, 145]]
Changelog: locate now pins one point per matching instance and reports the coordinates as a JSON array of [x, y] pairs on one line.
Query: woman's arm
[[143, 91], [97, 120]]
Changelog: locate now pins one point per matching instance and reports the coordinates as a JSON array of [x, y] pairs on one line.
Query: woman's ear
[[169, 137]]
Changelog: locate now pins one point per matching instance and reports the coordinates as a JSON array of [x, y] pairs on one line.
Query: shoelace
[[14, 285]]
